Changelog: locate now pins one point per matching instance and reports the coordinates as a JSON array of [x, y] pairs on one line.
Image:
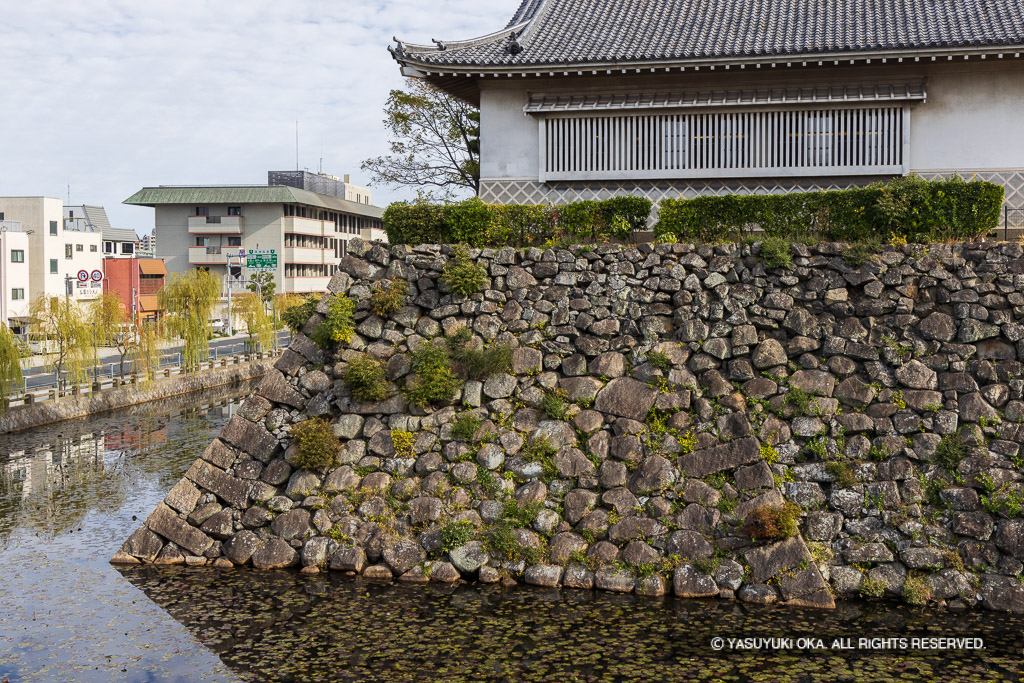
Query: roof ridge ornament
[[440, 45], [514, 47]]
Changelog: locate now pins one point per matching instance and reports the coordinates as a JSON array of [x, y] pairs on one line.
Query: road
[[37, 378]]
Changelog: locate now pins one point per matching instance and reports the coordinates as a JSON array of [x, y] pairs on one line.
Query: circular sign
[[97, 275], [83, 276]]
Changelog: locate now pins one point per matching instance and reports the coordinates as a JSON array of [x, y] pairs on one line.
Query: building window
[[53, 266], [69, 251], [108, 247], [234, 241], [53, 227], [79, 247], [93, 248], [127, 248], [837, 141], [234, 211], [17, 255], [18, 294], [202, 211]]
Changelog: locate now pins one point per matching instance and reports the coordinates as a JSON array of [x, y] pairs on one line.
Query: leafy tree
[[111, 326], [435, 142], [189, 299], [146, 352], [251, 310], [266, 283], [10, 366], [63, 324]]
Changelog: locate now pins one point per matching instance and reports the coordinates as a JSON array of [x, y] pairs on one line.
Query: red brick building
[[136, 281]]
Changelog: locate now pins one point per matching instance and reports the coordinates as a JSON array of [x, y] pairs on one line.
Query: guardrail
[[51, 392]]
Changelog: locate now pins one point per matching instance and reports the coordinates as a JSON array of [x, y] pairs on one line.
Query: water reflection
[[51, 479]]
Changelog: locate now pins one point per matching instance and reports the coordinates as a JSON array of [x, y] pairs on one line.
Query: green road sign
[[261, 259]]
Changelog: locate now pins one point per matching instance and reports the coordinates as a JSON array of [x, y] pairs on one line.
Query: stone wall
[[700, 392]]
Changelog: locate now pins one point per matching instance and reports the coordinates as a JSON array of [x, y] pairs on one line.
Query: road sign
[[83, 276], [97, 276], [261, 259]]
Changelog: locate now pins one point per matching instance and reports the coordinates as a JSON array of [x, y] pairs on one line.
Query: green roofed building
[[299, 221]]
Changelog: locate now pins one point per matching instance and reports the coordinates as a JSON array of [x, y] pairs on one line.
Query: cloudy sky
[[109, 96]]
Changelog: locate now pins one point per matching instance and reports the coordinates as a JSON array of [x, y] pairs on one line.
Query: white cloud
[[113, 95]]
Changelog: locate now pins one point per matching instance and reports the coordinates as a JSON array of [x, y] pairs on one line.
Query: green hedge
[[496, 225], [912, 208]]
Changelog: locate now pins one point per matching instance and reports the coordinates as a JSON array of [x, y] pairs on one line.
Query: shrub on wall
[[494, 225], [910, 208], [317, 445], [367, 378]]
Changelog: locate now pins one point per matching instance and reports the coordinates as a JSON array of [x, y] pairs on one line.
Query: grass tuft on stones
[[465, 426], [777, 253], [433, 378], [317, 445], [337, 327], [385, 299], [367, 378], [479, 363], [950, 452], [456, 534], [462, 275], [768, 523]]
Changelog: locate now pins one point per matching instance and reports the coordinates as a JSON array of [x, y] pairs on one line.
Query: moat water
[[71, 494]]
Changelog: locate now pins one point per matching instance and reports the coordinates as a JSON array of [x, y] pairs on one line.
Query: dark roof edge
[[418, 68]]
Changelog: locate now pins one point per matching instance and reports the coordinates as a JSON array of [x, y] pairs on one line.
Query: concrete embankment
[[39, 414]]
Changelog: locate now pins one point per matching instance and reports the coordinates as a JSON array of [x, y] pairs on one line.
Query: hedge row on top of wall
[[912, 208], [515, 225]]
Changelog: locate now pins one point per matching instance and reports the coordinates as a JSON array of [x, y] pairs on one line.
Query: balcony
[[216, 225], [312, 255], [215, 256], [307, 226], [305, 285]]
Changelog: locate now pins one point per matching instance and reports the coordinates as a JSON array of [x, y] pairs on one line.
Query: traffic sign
[[83, 276], [261, 259], [97, 276]]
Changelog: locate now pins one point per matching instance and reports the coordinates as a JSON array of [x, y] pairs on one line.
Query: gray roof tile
[[602, 31]]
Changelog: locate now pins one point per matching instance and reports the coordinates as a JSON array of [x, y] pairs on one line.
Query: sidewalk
[[110, 353]]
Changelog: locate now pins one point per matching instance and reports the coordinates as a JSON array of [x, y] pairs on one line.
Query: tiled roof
[[556, 32], [248, 194]]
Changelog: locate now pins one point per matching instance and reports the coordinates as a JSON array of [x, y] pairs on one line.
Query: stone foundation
[[700, 390]]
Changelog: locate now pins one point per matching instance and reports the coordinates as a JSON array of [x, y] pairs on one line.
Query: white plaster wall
[[509, 138], [973, 119]]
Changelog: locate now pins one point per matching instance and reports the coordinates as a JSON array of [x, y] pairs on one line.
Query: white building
[[583, 99], [210, 227], [14, 274], [59, 251], [117, 242]]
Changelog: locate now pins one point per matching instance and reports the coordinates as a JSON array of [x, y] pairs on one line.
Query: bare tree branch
[[434, 142]]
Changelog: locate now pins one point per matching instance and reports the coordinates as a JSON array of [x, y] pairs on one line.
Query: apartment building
[[14, 275], [217, 228], [59, 250]]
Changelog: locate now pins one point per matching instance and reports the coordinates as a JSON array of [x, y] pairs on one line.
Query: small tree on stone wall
[[189, 298]]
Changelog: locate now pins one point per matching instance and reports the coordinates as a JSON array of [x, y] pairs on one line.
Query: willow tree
[[189, 298], [250, 309], [62, 325], [10, 366], [146, 352], [111, 326]]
